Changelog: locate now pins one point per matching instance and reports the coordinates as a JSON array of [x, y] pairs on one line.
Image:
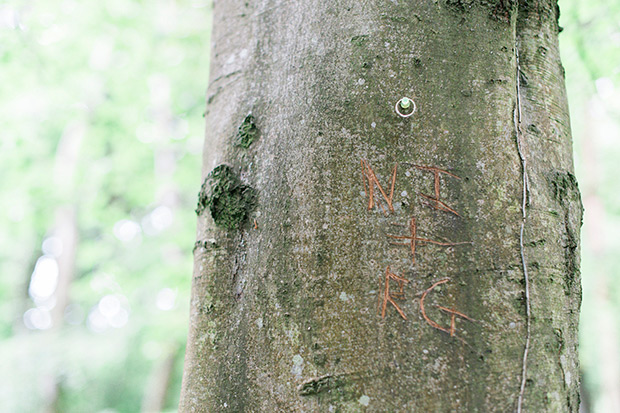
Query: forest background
[[101, 108]]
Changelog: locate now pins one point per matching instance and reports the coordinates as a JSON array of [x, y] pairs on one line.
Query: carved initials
[[388, 297], [453, 313], [369, 180], [436, 202]]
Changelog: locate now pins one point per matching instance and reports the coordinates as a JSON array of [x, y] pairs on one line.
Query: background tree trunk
[[158, 385], [290, 263]]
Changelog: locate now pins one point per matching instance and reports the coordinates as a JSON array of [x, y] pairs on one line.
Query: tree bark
[[290, 310]]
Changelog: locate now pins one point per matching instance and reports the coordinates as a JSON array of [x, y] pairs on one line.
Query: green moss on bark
[[227, 199], [563, 185], [247, 132]]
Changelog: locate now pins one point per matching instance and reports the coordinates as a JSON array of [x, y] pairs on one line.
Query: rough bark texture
[[285, 299]]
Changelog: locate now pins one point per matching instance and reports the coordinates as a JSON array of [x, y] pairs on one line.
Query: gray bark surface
[[290, 263]]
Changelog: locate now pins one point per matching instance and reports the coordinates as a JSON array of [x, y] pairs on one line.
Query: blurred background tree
[[100, 151], [590, 47], [101, 140]]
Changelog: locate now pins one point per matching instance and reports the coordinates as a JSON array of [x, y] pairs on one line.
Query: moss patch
[[459, 5], [359, 40], [247, 132], [566, 192], [320, 384], [227, 199], [564, 186]]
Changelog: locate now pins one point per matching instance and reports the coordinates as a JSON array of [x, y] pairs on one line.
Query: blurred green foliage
[[590, 46], [122, 83]]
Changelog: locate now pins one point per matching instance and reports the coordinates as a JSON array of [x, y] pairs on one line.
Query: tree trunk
[[349, 259], [158, 385]]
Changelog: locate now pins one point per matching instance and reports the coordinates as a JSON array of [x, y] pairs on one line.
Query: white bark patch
[[297, 368], [364, 400]]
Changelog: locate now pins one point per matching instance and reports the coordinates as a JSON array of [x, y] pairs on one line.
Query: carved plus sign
[[413, 239]]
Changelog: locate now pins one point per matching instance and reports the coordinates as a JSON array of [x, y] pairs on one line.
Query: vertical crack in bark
[[524, 204]]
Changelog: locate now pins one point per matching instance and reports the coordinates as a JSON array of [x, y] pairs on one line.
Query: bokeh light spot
[[166, 299], [126, 230], [37, 319], [44, 278]]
